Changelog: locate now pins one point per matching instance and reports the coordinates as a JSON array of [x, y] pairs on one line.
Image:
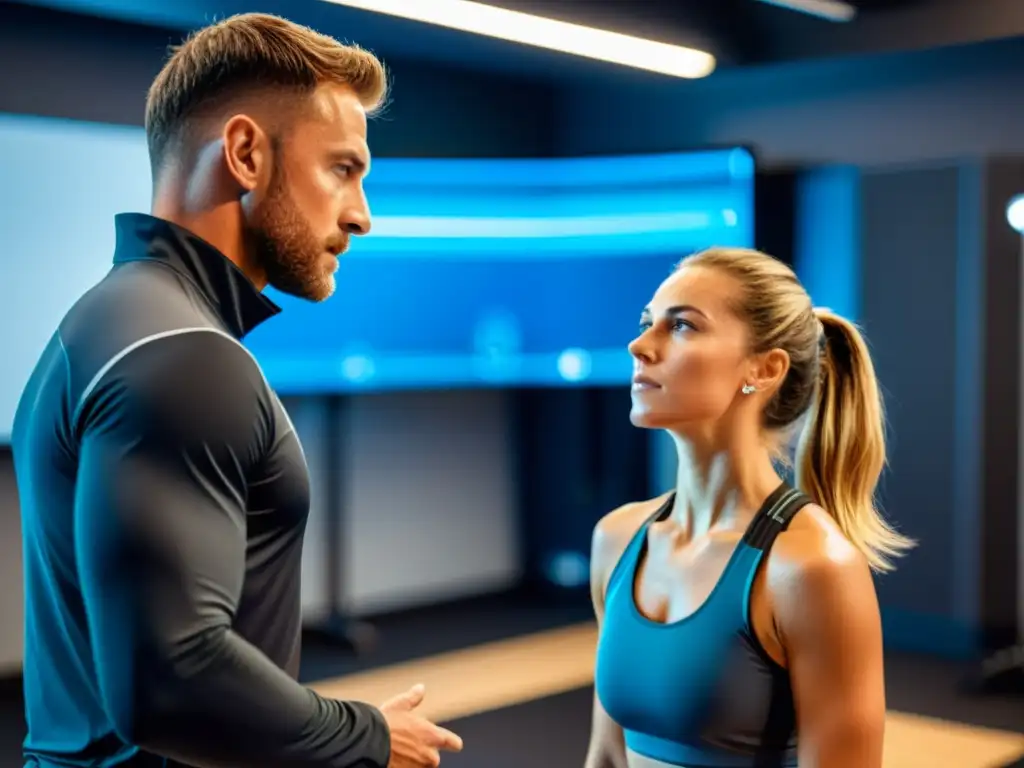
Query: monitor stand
[[339, 629]]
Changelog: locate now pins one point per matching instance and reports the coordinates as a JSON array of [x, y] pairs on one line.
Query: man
[[164, 492]]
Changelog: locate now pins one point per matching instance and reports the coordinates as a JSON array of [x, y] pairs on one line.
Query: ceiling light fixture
[[832, 10], [541, 32]]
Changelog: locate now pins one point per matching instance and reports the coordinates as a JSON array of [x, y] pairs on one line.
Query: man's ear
[[247, 151]]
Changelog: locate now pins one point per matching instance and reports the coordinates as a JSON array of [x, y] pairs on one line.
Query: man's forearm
[[224, 705]]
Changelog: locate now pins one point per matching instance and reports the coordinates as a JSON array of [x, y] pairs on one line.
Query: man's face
[[315, 200]]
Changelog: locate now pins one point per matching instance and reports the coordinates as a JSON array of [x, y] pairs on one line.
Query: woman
[[739, 622]]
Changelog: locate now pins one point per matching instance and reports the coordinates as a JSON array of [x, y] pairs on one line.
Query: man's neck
[[219, 225]]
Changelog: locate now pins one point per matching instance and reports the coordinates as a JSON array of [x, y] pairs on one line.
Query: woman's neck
[[720, 487]]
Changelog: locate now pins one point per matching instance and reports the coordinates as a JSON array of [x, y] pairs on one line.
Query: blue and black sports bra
[[700, 692]]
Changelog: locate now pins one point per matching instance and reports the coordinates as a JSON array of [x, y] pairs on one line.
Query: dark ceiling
[[740, 33]]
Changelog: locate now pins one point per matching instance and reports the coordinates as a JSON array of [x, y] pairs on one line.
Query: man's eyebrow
[[356, 159]]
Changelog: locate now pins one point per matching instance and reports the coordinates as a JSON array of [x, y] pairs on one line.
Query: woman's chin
[[645, 418]]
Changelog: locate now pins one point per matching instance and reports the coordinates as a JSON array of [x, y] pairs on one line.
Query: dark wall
[[61, 65], [998, 514], [580, 458], [898, 108], [909, 310], [941, 302], [775, 211]]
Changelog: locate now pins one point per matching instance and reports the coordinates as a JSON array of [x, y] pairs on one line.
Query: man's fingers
[[415, 695], [406, 701], [447, 740]]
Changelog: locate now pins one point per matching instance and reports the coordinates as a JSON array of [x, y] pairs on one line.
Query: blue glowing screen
[[506, 272]]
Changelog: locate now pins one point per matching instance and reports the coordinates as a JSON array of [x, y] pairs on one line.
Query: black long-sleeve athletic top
[[164, 496]]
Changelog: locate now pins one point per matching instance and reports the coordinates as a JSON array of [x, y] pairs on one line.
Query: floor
[[496, 739], [499, 668]]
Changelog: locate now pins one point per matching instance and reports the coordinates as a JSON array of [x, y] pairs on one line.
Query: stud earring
[[747, 389]]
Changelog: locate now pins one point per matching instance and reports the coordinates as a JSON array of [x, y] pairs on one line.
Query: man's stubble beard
[[286, 248]]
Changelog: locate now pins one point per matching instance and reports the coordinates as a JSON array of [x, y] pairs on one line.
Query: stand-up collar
[[241, 306]]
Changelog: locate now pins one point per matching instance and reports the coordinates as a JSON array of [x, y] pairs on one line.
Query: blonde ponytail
[[841, 452], [831, 381]]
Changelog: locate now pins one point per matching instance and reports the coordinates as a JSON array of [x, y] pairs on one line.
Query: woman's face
[[691, 358]]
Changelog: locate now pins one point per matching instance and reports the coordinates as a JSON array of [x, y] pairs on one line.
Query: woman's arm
[[607, 747], [828, 620]]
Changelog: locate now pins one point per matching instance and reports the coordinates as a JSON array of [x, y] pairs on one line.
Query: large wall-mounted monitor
[[506, 272], [477, 272]]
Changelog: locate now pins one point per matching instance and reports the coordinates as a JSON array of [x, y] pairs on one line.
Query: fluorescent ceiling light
[[833, 10], [528, 29]]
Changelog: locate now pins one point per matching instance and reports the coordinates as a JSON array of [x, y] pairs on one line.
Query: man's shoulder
[[142, 314], [158, 345], [186, 384], [132, 302]]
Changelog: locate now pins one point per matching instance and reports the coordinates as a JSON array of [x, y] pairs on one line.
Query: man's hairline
[[278, 129], [228, 106]]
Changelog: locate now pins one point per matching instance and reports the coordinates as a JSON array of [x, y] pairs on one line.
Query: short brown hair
[[244, 54]]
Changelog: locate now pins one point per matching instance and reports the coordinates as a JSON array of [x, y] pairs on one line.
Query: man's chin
[[316, 292], [324, 289], [327, 288]]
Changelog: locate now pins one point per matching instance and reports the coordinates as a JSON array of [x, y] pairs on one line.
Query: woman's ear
[[769, 371]]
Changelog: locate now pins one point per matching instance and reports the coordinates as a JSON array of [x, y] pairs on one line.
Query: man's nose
[[356, 219]]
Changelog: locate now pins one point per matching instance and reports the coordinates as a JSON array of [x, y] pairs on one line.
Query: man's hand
[[415, 741]]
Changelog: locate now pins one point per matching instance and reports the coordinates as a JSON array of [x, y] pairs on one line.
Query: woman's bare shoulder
[[614, 531], [813, 568], [814, 540]]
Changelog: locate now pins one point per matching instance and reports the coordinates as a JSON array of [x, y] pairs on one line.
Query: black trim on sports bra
[[774, 516]]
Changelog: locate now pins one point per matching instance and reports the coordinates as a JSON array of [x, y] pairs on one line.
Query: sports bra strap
[[775, 516]]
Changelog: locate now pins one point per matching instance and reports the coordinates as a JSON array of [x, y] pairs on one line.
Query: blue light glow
[[477, 272], [827, 248], [507, 272]]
